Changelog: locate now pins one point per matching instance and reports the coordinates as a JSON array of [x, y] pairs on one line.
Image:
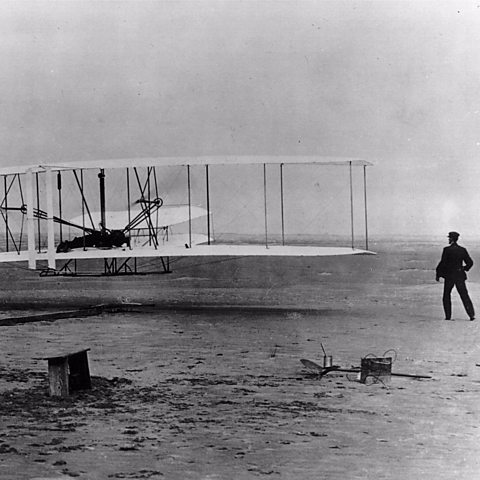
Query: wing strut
[[207, 189], [5, 217], [265, 202], [129, 202], [50, 219], [38, 219], [84, 204], [282, 211], [189, 208], [59, 188], [351, 203], [30, 221], [365, 203], [101, 176]]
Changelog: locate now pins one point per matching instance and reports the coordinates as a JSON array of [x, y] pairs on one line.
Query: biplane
[[58, 215]]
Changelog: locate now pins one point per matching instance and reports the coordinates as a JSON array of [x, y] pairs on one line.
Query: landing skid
[[112, 267]]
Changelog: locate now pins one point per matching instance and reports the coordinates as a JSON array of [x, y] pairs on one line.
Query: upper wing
[[179, 161]]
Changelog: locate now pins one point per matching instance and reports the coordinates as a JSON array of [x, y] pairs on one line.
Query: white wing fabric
[[165, 216]]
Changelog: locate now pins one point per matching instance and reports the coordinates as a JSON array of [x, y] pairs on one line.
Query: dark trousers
[[463, 292]]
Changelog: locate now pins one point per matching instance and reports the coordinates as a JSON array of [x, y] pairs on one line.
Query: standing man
[[452, 269]]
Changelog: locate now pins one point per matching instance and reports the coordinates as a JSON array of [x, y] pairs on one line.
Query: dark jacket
[[452, 263]]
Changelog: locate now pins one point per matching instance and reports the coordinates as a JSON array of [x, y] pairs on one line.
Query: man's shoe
[[447, 318], [472, 319]]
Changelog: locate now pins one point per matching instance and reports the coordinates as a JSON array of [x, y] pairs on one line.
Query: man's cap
[[453, 235]]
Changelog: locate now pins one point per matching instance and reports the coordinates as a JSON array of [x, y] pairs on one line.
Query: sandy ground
[[209, 384]]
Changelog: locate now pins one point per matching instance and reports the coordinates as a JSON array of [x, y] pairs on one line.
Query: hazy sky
[[394, 82]]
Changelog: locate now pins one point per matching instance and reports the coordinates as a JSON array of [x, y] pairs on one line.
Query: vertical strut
[[101, 176], [38, 209], [282, 204], [365, 203], [30, 221], [50, 215], [265, 202], [208, 202], [59, 188], [149, 170], [351, 203], [189, 208], [83, 207], [129, 203]]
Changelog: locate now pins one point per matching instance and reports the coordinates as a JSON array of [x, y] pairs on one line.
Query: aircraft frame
[[35, 185]]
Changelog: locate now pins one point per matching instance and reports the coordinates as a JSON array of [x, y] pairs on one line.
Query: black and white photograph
[[239, 239]]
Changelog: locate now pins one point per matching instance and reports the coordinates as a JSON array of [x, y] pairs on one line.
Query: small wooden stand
[[68, 372]]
